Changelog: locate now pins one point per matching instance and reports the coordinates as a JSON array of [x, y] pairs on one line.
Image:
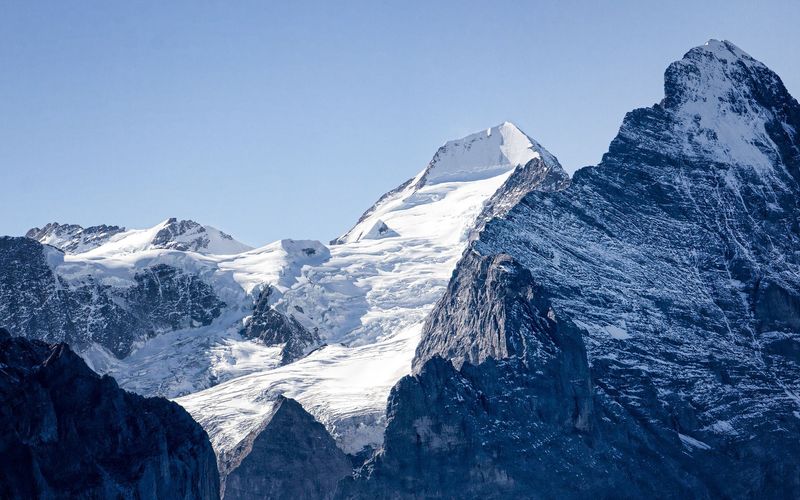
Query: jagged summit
[[189, 235], [170, 234], [717, 71], [720, 106], [73, 238]]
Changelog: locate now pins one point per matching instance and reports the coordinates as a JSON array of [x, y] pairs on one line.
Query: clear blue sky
[[288, 119]]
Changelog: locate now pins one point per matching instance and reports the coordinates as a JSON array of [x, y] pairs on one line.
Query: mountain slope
[[169, 311], [66, 432], [152, 307], [41, 303], [675, 258]]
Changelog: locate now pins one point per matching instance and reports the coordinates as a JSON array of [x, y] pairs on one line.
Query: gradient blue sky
[[288, 119]]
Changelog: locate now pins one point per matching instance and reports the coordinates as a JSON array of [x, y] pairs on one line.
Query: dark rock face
[[274, 328], [184, 300], [39, 304], [523, 418], [535, 175], [290, 456], [676, 260], [72, 238], [493, 310], [66, 432], [486, 430]]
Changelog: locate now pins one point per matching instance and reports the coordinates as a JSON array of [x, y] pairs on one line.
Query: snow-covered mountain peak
[[717, 71], [482, 155], [465, 171], [188, 235], [722, 106], [725, 50], [172, 234]]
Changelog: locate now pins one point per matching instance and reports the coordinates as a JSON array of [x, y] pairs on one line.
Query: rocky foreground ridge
[[66, 432]]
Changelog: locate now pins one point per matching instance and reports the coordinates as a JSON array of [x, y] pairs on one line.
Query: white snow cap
[[482, 155], [473, 161], [712, 93], [725, 50], [714, 71]]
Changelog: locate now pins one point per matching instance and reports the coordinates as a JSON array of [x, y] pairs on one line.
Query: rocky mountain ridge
[[72, 238]]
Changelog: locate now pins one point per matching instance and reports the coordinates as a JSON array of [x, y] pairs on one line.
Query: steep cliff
[[66, 432]]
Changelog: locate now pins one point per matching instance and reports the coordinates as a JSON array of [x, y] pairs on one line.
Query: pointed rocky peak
[[482, 155], [290, 455], [493, 309], [72, 238], [720, 107], [720, 74]]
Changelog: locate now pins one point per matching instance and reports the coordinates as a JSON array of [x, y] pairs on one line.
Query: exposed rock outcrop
[[275, 328], [37, 303], [190, 236], [72, 238]]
